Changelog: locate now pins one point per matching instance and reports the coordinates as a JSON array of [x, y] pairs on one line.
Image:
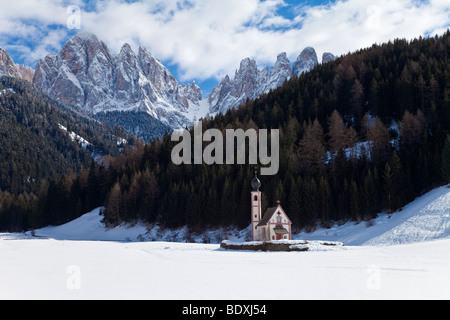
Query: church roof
[[279, 229], [269, 213]]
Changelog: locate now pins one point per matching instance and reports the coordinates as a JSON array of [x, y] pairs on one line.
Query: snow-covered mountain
[[250, 81], [328, 57], [85, 74], [11, 69], [306, 61]]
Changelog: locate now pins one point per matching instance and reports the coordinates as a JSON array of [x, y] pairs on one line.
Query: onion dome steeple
[[256, 184]]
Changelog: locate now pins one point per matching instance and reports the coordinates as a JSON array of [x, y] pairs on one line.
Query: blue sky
[[204, 40]]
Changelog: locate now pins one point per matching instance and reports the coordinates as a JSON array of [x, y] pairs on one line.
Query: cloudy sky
[[204, 40]]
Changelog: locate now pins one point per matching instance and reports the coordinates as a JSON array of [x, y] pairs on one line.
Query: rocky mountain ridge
[[250, 81], [85, 74], [11, 69]]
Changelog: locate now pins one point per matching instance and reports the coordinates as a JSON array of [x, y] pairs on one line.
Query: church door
[[279, 236]]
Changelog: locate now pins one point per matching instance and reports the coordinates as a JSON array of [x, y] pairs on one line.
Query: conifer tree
[[113, 206], [337, 132], [378, 136], [324, 200], [357, 101], [311, 203], [445, 167], [393, 179], [294, 201], [312, 149], [354, 201]]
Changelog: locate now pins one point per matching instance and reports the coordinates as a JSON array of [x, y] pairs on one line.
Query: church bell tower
[[256, 210]]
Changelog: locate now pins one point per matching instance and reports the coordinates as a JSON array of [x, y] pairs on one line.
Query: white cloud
[[350, 25], [208, 38], [42, 12]]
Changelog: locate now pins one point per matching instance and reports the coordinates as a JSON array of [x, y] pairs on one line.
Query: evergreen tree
[[113, 206], [337, 132], [310, 203], [357, 101], [294, 201], [393, 179], [378, 137], [445, 168], [354, 201], [324, 200], [312, 149]]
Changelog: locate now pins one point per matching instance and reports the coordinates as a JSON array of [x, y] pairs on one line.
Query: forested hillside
[[139, 123], [360, 135], [40, 140]]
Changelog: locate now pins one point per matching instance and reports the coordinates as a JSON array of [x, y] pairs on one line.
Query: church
[[274, 224]]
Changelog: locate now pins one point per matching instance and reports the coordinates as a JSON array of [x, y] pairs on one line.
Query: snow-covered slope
[[90, 227], [425, 219]]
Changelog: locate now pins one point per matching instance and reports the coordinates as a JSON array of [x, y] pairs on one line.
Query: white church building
[[274, 224]]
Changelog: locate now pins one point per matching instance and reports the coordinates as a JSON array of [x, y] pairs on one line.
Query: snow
[[44, 269], [83, 142], [71, 77], [405, 255], [197, 111], [90, 227], [425, 219], [10, 90]]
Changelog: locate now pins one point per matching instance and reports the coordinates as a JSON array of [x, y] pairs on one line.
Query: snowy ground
[[425, 219], [404, 256]]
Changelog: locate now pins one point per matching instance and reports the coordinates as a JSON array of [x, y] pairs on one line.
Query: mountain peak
[[248, 60], [327, 57], [126, 53], [282, 60], [11, 69], [143, 51], [126, 48], [306, 61], [282, 56], [280, 72], [86, 36], [7, 65]]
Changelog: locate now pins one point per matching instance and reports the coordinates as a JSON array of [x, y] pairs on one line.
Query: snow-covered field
[[403, 256]]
